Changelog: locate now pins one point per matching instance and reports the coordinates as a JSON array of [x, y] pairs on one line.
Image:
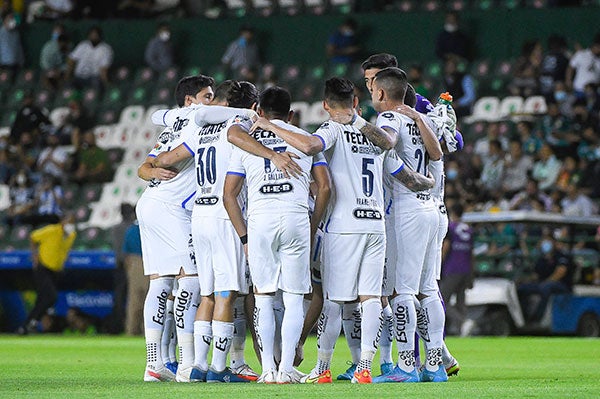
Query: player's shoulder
[[290, 127], [330, 126]]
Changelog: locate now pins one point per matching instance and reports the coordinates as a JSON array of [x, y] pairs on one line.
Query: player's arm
[[231, 190], [412, 180], [384, 139], [309, 145], [283, 161], [322, 178], [213, 114], [446, 246], [147, 171], [432, 145], [170, 158]]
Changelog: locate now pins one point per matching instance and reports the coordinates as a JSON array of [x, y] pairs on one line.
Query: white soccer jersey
[[269, 191], [179, 189], [357, 165], [211, 152], [437, 171]]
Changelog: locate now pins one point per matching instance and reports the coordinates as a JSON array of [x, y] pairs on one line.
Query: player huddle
[[242, 208]]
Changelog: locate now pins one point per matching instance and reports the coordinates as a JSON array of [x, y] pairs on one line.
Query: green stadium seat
[[64, 96], [338, 70], [162, 95], [82, 213], [431, 5], [140, 95], [433, 70], [143, 76], [6, 79], [510, 4], [114, 97], [484, 5], [192, 71], [91, 192], [15, 97], [219, 73], [341, 6], [8, 117], [107, 115], [19, 236], [315, 73], [169, 77], [71, 196], [236, 8], [26, 79], [44, 98]]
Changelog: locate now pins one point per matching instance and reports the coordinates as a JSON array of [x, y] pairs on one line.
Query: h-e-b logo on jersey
[[367, 214], [207, 201], [276, 188]]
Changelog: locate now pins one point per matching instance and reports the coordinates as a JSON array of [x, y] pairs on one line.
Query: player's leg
[[185, 309], [237, 359], [351, 324], [389, 281]]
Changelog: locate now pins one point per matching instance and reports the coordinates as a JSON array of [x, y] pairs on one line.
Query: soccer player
[[354, 240], [415, 216], [163, 212], [278, 231]]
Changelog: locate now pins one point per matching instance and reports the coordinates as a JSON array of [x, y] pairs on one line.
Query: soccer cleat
[[397, 375], [245, 372], [223, 376], [190, 374], [315, 378], [283, 377], [362, 377], [348, 374], [453, 368], [434, 376], [386, 368], [172, 366], [268, 377], [297, 374], [158, 374]]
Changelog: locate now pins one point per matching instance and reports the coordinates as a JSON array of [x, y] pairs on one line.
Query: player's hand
[[408, 111], [299, 356], [284, 161], [431, 179], [261, 123], [344, 117], [164, 174]]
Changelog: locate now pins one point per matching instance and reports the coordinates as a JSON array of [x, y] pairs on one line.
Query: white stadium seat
[[105, 136], [512, 105], [4, 197], [58, 115], [132, 116], [485, 109], [535, 105]]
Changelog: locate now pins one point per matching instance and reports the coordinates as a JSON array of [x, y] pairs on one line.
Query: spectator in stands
[[134, 8], [53, 58], [532, 142], [75, 124], [546, 169], [415, 77], [516, 168], [79, 323], [576, 203], [241, 56], [92, 162], [584, 68], [137, 282], [531, 199], [568, 174], [48, 202], [11, 50], [50, 247], [482, 145], [461, 86], [343, 46], [556, 131], [89, 62], [563, 99], [27, 151], [457, 268], [7, 167], [554, 65], [53, 159], [493, 167], [29, 119], [50, 9], [526, 70], [21, 195], [452, 42], [159, 51], [553, 274]]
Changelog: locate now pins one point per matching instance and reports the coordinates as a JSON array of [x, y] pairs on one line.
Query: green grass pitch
[[112, 367]]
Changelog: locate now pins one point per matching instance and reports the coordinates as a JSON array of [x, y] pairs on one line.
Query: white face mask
[[11, 24], [164, 36], [69, 228], [21, 180], [450, 28]]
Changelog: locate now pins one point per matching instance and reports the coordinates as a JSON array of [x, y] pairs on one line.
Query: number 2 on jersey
[[268, 161], [206, 169], [422, 161], [367, 176]]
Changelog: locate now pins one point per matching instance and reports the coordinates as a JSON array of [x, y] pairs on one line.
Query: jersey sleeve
[[40, 234], [242, 121], [77, 52], [236, 166], [217, 114], [319, 159], [327, 133], [392, 162], [387, 120], [158, 146], [164, 117]]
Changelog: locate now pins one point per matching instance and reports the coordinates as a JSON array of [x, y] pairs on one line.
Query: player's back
[[269, 191]]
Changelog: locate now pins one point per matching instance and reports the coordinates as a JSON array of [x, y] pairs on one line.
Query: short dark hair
[[339, 91], [190, 86], [243, 96], [223, 90], [410, 98], [394, 81], [97, 29], [379, 61], [275, 101]]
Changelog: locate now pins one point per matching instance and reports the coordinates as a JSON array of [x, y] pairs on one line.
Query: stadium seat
[[316, 114], [504, 68], [236, 8], [169, 77], [289, 74], [134, 191], [105, 136], [26, 79], [44, 98], [341, 6], [263, 8], [139, 95], [71, 196], [15, 98], [301, 108], [113, 98], [4, 235], [90, 99], [430, 5], [91, 192], [115, 155], [143, 76], [112, 193], [307, 91], [6, 78], [122, 76], [123, 136], [104, 215], [146, 136], [92, 238], [162, 95], [82, 213], [107, 115], [535, 105], [484, 5], [485, 109], [290, 7], [192, 71], [510, 105], [316, 7], [537, 3], [64, 96], [338, 70], [126, 174], [19, 236], [456, 5], [4, 197], [132, 116], [433, 70], [481, 69], [136, 155], [8, 118], [315, 73], [219, 74]]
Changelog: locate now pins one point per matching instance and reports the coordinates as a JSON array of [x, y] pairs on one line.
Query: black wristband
[[244, 239]]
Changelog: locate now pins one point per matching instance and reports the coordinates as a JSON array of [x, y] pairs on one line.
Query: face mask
[[164, 36], [452, 174], [450, 28], [12, 24], [69, 228], [242, 41], [55, 35], [95, 42], [546, 247], [560, 96], [21, 180]]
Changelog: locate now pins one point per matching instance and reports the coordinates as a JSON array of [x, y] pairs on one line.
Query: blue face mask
[[55, 35], [242, 41], [546, 247], [452, 174], [560, 96]]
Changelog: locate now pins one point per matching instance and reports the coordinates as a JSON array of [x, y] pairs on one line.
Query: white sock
[[186, 305], [291, 328], [155, 311], [328, 331], [447, 357], [370, 331], [236, 353], [433, 318], [264, 324], [351, 320], [278, 311], [406, 324], [387, 335], [169, 335], [202, 339], [222, 338]]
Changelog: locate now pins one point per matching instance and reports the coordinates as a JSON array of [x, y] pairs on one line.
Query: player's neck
[[392, 105]]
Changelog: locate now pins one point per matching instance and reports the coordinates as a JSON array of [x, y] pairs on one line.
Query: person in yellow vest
[[50, 246]]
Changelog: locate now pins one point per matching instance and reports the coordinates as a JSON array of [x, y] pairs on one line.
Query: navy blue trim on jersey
[[237, 174], [327, 225], [322, 141], [389, 127], [164, 115], [152, 155], [187, 200], [321, 163], [394, 173], [317, 248], [189, 149]]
